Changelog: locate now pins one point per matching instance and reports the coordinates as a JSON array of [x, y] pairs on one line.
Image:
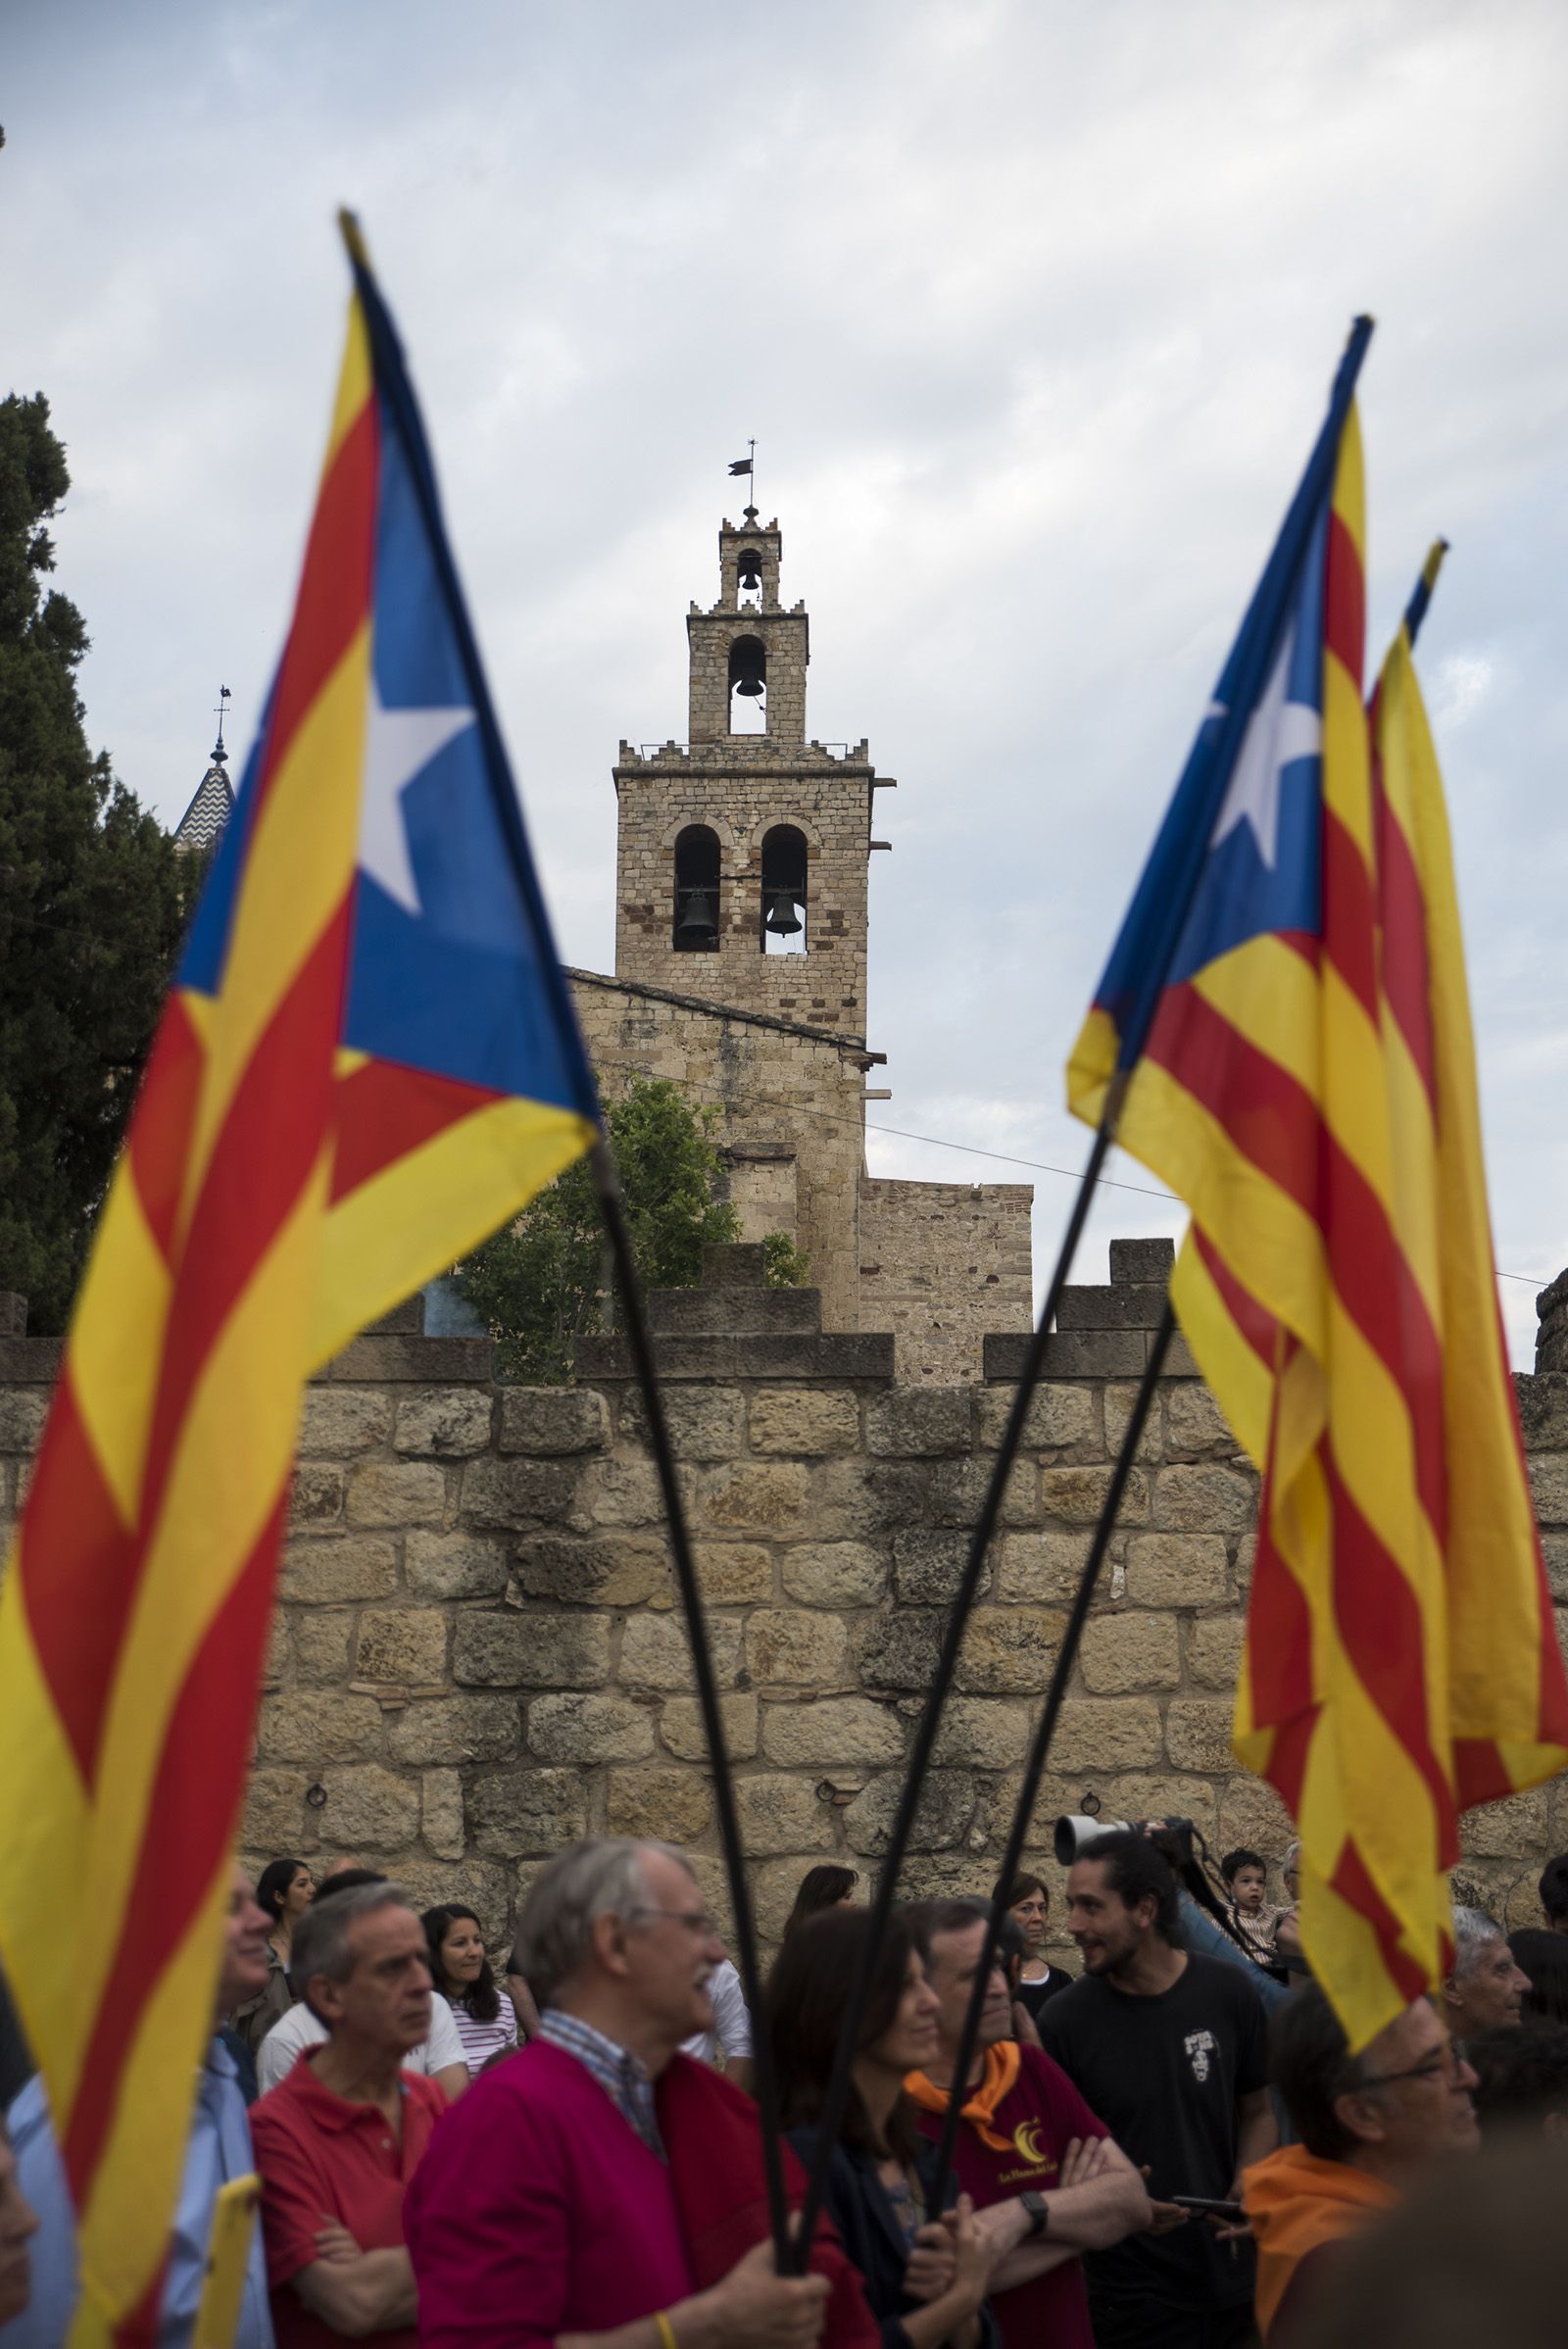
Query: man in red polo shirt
[[1043, 2171], [340, 2136]]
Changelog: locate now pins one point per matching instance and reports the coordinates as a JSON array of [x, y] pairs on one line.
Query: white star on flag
[[1277, 732], [399, 745]]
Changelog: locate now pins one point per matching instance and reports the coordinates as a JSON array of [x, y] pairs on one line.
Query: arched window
[[748, 579], [783, 913], [747, 686], [696, 915]]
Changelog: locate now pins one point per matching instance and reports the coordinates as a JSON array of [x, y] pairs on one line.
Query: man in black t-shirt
[[1169, 2049]]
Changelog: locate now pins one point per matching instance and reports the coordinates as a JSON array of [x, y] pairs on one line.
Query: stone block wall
[[943, 1264], [476, 1652], [780, 1088]]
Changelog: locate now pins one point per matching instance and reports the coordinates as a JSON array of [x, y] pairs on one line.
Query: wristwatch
[[1039, 2209]]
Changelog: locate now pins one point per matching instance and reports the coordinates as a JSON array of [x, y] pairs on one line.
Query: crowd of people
[[558, 2149]]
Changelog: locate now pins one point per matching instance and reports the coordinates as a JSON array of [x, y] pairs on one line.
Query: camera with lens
[[1172, 1836]]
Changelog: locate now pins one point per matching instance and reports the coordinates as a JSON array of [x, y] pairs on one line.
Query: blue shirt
[[219, 2150]]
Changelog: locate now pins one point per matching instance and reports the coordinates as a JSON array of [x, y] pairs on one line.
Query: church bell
[[748, 669], [697, 923], [781, 917]]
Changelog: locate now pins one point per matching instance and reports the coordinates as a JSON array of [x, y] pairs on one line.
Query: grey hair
[[321, 1943], [1473, 1928], [601, 1877], [1293, 1852]]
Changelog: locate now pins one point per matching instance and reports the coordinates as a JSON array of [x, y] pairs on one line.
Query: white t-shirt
[[300, 2029], [732, 2025]]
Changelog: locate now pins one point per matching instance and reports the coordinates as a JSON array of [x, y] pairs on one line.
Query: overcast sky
[[1032, 311]]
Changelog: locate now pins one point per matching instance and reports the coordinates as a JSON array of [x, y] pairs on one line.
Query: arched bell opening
[[696, 915], [747, 686], [748, 579], [783, 911]]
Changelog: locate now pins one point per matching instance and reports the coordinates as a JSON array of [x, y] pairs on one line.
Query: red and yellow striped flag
[[1307, 1085], [368, 1059]]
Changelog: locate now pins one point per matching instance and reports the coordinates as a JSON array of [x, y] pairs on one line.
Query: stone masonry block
[[1543, 1400], [1514, 1829], [453, 1565], [755, 1497], [774, 1884], [1123, 1653], [1069, 1355], [1157, 1795], [1141, 1263], [335, 1572], [1176, 1570], [860, 1500], [1076, 1496], [1195, 1422], [515, 1496], [805, 1421], [1118, 1408], [780, 1813], [1008, 1651], [918, 1423], [512, 1814], [680, 1724], [624, 1491], [454, 1729], [337, 1420], [664, 1805], [1252, 1812], [396, 1492], [1205, 1499], [1122, 1306], [23, 1412], [315, 1496], [370, 1809], [831, 1731], [424, 1362], [441, 1814], [1096, 1734], [1036, 1566], [621, 1570], [733, 1574], [928, 1566], [449, 1422], [1198, 1732], [983, 1733], [276, 1662], [900, 1650], [323, 1643], [790, 1643], [596, 1728], [1548, 1483], [1058, 1418], [401, 1643], [511, 1650], [655, 1652], [276, 1815], [959, 1490], [314, 1725], [941, 1815], [704, 1423], [834, 1574], [547, 1420], [1214, 1650]]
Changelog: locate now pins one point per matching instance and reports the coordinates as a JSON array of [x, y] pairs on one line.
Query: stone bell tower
[[743, 853]]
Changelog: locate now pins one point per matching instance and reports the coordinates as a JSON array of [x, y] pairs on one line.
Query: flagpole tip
[[354, 238]]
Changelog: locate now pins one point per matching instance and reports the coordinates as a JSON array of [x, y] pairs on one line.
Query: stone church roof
[[209, 810]]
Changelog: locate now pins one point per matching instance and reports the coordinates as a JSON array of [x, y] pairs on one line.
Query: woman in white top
[[485, 2021]]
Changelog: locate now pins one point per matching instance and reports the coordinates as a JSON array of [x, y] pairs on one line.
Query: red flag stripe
[[192, 1822], [1354, 1886], [71, 1576], [1344, 602], [161, 1125], [1402, 916], [384, 1112], [1348, 936], [1257, 1327]]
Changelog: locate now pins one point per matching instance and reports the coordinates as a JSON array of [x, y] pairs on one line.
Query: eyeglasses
[[700, 1926], [1445, 2065]]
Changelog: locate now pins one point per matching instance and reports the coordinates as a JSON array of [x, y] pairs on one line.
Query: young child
[[1246, 1875]]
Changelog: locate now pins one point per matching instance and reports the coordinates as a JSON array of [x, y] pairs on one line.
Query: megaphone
[[1076, 1829]]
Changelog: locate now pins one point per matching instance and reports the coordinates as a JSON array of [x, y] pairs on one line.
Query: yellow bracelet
[[664, 2330]]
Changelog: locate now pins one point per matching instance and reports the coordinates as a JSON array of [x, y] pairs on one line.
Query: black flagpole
[[1046, 1729], [636, 1327]]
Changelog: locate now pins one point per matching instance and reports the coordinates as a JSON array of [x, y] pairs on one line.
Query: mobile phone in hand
[[1209, 2206]]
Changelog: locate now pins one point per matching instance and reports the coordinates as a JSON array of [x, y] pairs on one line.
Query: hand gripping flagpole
[[1196, 806], [392, 382]]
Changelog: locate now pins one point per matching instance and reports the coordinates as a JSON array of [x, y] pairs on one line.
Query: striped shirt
[[482, 2040], [622, 2076]]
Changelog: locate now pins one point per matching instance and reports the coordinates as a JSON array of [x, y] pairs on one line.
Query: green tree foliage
[[786, 1265], [91, 904], [539, 1283]]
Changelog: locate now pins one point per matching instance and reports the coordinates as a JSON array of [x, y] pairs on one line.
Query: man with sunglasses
[[1366, 2124], [599, 2188]]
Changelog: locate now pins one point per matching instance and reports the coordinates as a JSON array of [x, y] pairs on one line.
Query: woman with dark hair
[[1027, 1900], [924, 2279], [828, 1886], [285, 1890], [1543, 1958], [485, 2021]]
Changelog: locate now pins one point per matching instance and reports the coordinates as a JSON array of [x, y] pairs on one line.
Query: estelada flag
[[368, 1058], [1290, 1048]]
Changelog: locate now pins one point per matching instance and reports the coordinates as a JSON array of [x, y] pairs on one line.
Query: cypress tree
[[91, 904]]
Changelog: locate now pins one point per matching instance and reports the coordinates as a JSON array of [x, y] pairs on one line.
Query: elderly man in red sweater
[[598, 2188]]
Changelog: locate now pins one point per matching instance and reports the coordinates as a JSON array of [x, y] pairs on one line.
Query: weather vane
[[219, 755], [747, 464]]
